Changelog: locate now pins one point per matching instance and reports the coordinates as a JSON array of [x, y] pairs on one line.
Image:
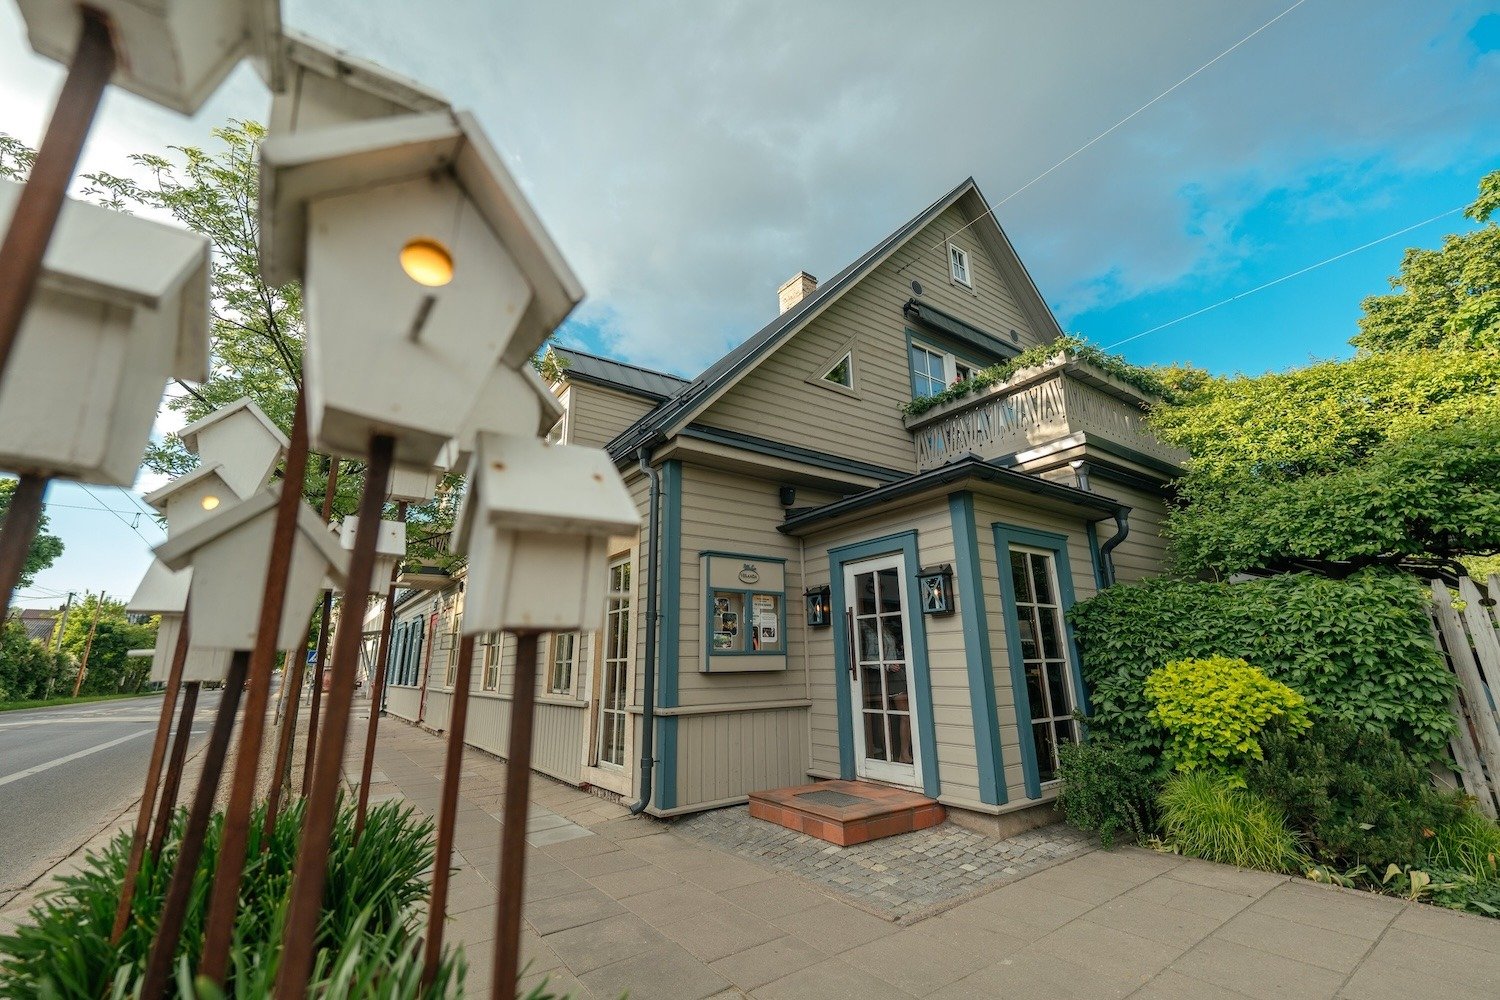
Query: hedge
[[1359, 649]]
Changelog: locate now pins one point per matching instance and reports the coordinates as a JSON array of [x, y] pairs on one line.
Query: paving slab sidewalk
[[618, 904]]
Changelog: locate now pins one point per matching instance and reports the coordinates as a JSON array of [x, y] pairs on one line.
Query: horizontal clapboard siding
[[596, 414]]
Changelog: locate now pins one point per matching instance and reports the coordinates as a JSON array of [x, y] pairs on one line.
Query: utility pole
[[57, 646], [88, 644]]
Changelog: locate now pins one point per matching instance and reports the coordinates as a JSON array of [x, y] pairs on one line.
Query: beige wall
[[596, 414]]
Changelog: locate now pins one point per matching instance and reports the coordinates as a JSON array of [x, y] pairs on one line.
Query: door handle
[[853, 654]]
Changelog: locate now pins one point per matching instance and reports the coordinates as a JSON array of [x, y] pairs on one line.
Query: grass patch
[[1206, 816], [16, 706]]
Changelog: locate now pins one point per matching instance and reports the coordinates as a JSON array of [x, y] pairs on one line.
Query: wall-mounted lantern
[[323, 86], [935, 590], [172, 52], [121, 306], [513, 401], [819, 607], [423, 267], [536, 522], [230, 555], [390, 548], [241, 440]]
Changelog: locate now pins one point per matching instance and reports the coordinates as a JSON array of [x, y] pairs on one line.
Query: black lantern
[[935, 590], [819, 607]]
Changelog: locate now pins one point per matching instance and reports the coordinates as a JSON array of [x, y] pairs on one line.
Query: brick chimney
[[796, 288]]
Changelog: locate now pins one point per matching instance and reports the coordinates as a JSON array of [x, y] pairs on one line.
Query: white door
[[886, 744]]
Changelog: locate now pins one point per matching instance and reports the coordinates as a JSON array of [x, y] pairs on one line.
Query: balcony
[[1063, 398]]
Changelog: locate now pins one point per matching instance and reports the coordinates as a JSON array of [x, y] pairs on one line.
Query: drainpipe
[[648, 696], [1122, 529]]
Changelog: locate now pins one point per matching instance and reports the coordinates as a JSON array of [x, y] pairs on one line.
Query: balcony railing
[[1036, 406]]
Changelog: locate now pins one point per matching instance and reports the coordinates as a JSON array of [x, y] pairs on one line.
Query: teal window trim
[[1007, 535], [971, 606], [748, 557], [669, 640], [905, 543]]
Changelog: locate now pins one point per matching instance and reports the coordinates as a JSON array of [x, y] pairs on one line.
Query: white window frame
[[574, 643], [959, 268], [1042, 661], [616, 670], [489, 678], [952, 365]]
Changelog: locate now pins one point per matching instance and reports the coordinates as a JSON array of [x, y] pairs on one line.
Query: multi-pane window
[[929, 371], [616, 667], [1044, 652], [490, 678], [561, 668], [450, 673], [958, 265]]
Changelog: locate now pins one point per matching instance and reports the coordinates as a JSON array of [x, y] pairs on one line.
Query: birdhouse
[[192, 498], [390, 548], [241, 440], [202, 664], [414, 485], [536, 524], [230, 554], [323, 86], [162, 591], [122, 304], [422, 267], [513, 401], [172, 52]]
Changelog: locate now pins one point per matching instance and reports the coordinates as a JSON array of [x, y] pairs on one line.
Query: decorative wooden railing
[[1037, 406]]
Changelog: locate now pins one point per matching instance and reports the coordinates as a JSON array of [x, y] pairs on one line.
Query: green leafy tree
[[114, 636], [45, 548], [27, 666]]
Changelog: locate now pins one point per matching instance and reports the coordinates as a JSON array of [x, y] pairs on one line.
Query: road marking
[[68, 759]]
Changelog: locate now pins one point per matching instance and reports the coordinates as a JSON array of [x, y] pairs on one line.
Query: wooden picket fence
[[1467, 630]]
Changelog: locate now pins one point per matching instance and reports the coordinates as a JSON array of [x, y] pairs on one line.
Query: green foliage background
[[45, 548], [109, 669], [1214, 711]]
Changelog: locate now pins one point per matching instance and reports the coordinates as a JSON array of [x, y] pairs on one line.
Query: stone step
[[846, 812]]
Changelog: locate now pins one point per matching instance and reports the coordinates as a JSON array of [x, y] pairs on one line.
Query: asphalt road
[[66, 770]]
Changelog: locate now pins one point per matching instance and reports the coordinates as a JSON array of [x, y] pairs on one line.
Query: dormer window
[[958, 265]]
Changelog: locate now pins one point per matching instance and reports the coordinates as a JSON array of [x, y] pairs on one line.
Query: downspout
[[648, 695], [1122, 530]]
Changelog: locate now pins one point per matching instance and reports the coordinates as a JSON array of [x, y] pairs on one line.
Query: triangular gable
[[670, 416]]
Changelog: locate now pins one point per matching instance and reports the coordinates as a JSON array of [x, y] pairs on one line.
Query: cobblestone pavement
[[895, 877]]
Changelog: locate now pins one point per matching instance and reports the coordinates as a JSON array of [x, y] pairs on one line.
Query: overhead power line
[[1285, 277], [116, 513]]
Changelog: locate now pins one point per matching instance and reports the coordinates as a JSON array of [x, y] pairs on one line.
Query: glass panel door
[[879, 670], [616, 667], [1044, 651]]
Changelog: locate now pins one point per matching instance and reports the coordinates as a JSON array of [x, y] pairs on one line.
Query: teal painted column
[[669, 640], [971, 602]]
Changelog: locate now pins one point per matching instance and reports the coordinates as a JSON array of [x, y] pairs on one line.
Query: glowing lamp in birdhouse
[[201, 664], [422, 267], [513, 401], [172, 52], [193, 498], [122, 305], [241, 440], [323, 86], [230, 554], [536, 525], [390, 547]]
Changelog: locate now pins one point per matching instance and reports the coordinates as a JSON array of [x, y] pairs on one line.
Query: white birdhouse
[[162, 591], [201, 664], [536, 523], [172, 52], [122, 304], [390, 548], [323, 86], [422, 267], [230, 555], [513, 401], [414, 485], [241, 440], [192, 498]]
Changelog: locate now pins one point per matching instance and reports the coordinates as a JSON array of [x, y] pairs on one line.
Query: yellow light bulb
[[209, 502], [427, 262]]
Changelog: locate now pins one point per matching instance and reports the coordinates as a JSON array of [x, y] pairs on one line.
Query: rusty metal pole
[[377, 690], [160, 964], [21, 520], [437, 905], [41, 201], [153, 780], [324, 632], [174, 768], [513, 826], [301, 932], [223, 901]]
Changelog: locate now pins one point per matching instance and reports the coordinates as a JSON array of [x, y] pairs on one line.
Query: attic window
[[958, 265], [842, 372]]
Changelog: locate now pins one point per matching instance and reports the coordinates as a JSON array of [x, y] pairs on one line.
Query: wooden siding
[[776, 401], [597, 414], [726, 756], [988, 510], [402, 702], [1144, 552]]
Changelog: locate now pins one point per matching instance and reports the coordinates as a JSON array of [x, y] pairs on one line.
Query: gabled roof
[[676, 412], [581, 366]]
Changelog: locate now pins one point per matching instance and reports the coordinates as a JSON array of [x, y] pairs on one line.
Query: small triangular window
[[842, 373]]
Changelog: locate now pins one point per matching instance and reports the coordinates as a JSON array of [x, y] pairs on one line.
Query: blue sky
[[688, 165]]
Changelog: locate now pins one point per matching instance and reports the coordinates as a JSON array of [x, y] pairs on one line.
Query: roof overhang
[[964, 332]]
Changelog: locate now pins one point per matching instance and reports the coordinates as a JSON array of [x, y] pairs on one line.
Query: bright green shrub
[[1468, 844], [1354, 796], [1205, 816], [1106, 789], [1213, 710], [1358, 649]]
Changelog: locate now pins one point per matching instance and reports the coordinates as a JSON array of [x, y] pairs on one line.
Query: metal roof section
[[581, 366], [964, 332]]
